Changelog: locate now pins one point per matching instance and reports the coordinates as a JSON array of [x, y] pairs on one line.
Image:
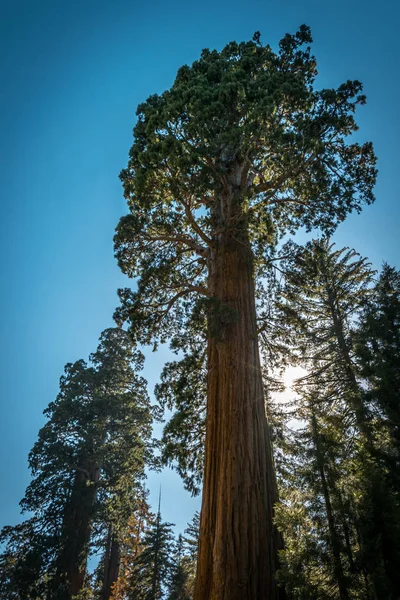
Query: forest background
[[72, 76]]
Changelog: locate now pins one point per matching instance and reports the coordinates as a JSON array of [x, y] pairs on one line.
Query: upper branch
[[179, 239], [195, 225]]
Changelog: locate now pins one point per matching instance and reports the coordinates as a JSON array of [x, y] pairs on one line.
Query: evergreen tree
[[191, 546], [178, 588], [240, 150], [324, 289], [89, 458], [132, 544], [24, 562], [317, 486], [154, 562], [378, 350]]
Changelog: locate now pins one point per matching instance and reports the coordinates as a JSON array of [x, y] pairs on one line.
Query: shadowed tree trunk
[[376, 527], [238, 541], [334, 537], [346, 530], [71, 569], [111, 565]]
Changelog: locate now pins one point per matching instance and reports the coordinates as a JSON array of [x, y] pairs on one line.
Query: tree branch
[[179, 239], [195, 225]]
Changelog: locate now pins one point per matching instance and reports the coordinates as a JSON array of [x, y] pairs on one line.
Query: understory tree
[[178, 587], [86, 468], [377, 349], [155, 564], [155, 560], [130, 548], [239, 151], [191, 546], [378, 356], [152, 566]]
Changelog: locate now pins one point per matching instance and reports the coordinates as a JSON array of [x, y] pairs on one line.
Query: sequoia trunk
[[239, 544]]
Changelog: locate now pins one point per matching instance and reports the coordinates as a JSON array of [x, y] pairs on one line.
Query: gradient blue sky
[[72, 74]]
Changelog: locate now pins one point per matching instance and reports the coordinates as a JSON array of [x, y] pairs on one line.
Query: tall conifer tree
[[241, 149], [87, 465], [378, 352], [324, 292]]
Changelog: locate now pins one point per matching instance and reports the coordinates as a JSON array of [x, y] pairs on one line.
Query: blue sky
[[72, 74]]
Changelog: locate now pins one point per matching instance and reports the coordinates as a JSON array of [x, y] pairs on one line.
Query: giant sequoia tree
[[240, 150]]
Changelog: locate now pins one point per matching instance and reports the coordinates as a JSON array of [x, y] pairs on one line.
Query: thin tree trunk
[[156, 567], [346, 531], [111, 565], [334, 538], [239, 544], [356, 397]]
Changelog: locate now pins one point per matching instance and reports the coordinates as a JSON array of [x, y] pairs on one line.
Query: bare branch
[[179, 239], [80, 469], [284, 257], [269, 202], [195, 225], [192, 288]]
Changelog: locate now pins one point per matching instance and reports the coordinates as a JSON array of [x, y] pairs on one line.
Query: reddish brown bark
[[238, 542]]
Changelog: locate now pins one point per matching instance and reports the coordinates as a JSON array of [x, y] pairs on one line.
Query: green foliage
[[378, 357], [86, 465], [24, 562], [178, 588], [339, 514], [154, 564], [242, 146], [183, 388], [378, 350], [191, 546], [246, 118]]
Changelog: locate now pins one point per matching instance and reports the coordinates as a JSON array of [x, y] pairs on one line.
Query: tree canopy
[[251, 118]]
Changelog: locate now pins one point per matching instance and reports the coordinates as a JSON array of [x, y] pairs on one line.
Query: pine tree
[[87, 463], [154, 562], [324, 292], [378, 350], [240, 150], [378, 353], [178, 587], [191, 547], [132, 544]]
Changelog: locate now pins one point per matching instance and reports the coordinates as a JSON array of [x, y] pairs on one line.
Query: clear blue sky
[[72, 74]]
